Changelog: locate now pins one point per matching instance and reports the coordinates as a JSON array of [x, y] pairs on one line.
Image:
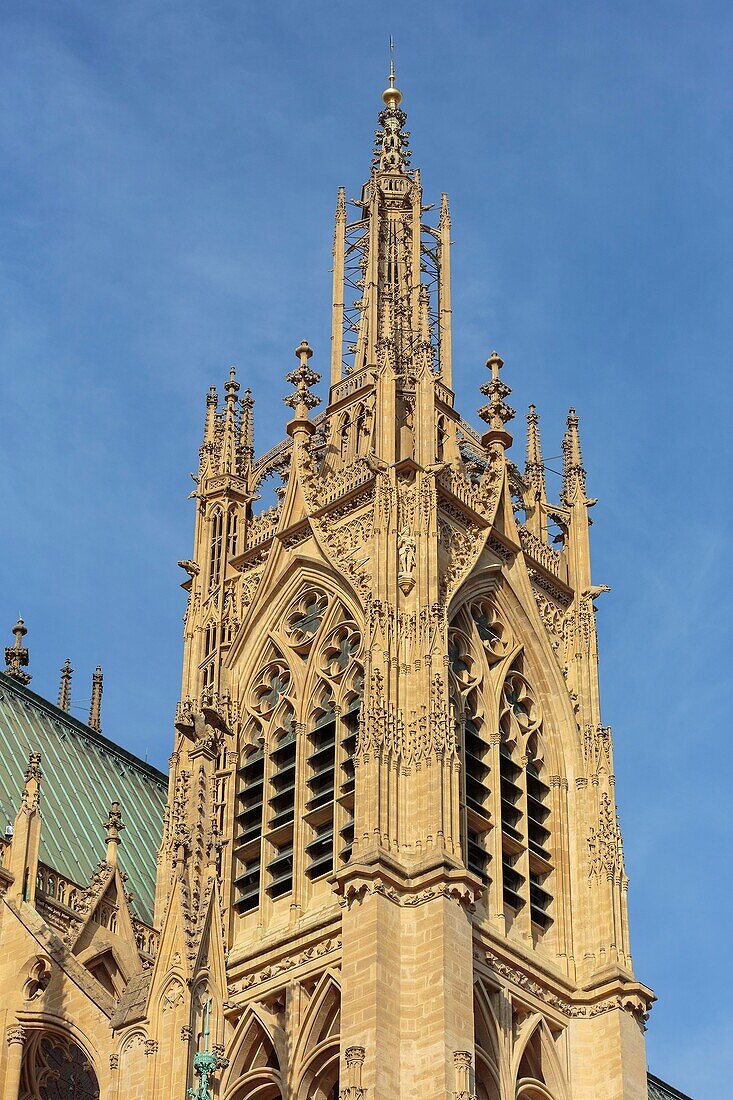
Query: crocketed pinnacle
[[496, 413], [574, 473], [16, 656], [65, 686], [229, 437], [534, 468], [391, 145], [95, 707], [301, 401]]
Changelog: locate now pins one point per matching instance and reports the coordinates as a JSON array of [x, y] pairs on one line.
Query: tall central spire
[[391, 271]]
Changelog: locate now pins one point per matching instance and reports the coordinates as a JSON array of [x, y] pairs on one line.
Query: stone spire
[[496, 413], [16, 656], [64, 701], [301, 401], [114, 827], [95, 707]]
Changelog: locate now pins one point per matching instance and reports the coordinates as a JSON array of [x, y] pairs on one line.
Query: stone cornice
[[358, 880], [617, 991]]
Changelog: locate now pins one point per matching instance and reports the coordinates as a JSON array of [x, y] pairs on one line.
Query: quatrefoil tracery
[[303, 621], [270, 685], [462, 664], [339, 650], [494, 634], [520, 714]]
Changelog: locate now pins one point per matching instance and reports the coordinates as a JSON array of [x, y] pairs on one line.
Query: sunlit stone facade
[[390, 865]]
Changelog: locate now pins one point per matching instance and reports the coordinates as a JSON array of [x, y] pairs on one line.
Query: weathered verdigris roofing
[[658, 1090], [83, 772]]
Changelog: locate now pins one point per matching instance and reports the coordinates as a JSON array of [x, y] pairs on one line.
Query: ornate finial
[[392, 96], [391, 149], [16, 656], [95, 707], [33, 777], [114, 827], [573, 469], [232, 386], [496, 412], [303, 377], [64, 702]]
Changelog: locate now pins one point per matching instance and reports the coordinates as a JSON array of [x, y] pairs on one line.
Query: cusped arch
[[486, 1045], [54, 1058], [316, 1055], [536, 1048], [264, 616], [563, 753], [255, 1066]]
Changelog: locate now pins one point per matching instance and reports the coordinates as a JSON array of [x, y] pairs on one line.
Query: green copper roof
[[659, 1091], [83, 773]]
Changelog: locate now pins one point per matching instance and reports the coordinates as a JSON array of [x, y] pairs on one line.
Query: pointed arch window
[[349, 731], [525, 802], [249, 832], [441, 436], [217, 529], [475, 754], [477, 795], [232, 529], [55, 1067], [281, 809], [321, 783]]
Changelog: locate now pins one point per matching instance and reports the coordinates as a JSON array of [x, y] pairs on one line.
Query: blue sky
[[170, 172]]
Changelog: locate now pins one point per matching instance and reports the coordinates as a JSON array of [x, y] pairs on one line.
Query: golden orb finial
[[392, 96]]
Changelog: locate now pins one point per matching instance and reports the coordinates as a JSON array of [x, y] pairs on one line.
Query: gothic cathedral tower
[[391, 865]]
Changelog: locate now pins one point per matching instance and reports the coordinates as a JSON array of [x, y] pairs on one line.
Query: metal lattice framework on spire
[[383, 258]]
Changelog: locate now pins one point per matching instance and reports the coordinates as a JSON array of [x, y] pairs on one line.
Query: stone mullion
[[559, 847], [227, 855], [394, 809], [626, 947], [384, 770], [300, 882], [495, 904], [454, 806], [523, 919]]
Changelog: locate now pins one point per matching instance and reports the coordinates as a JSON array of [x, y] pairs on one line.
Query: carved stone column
[[15, 1038], [462, 1061], [354, 1058]]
